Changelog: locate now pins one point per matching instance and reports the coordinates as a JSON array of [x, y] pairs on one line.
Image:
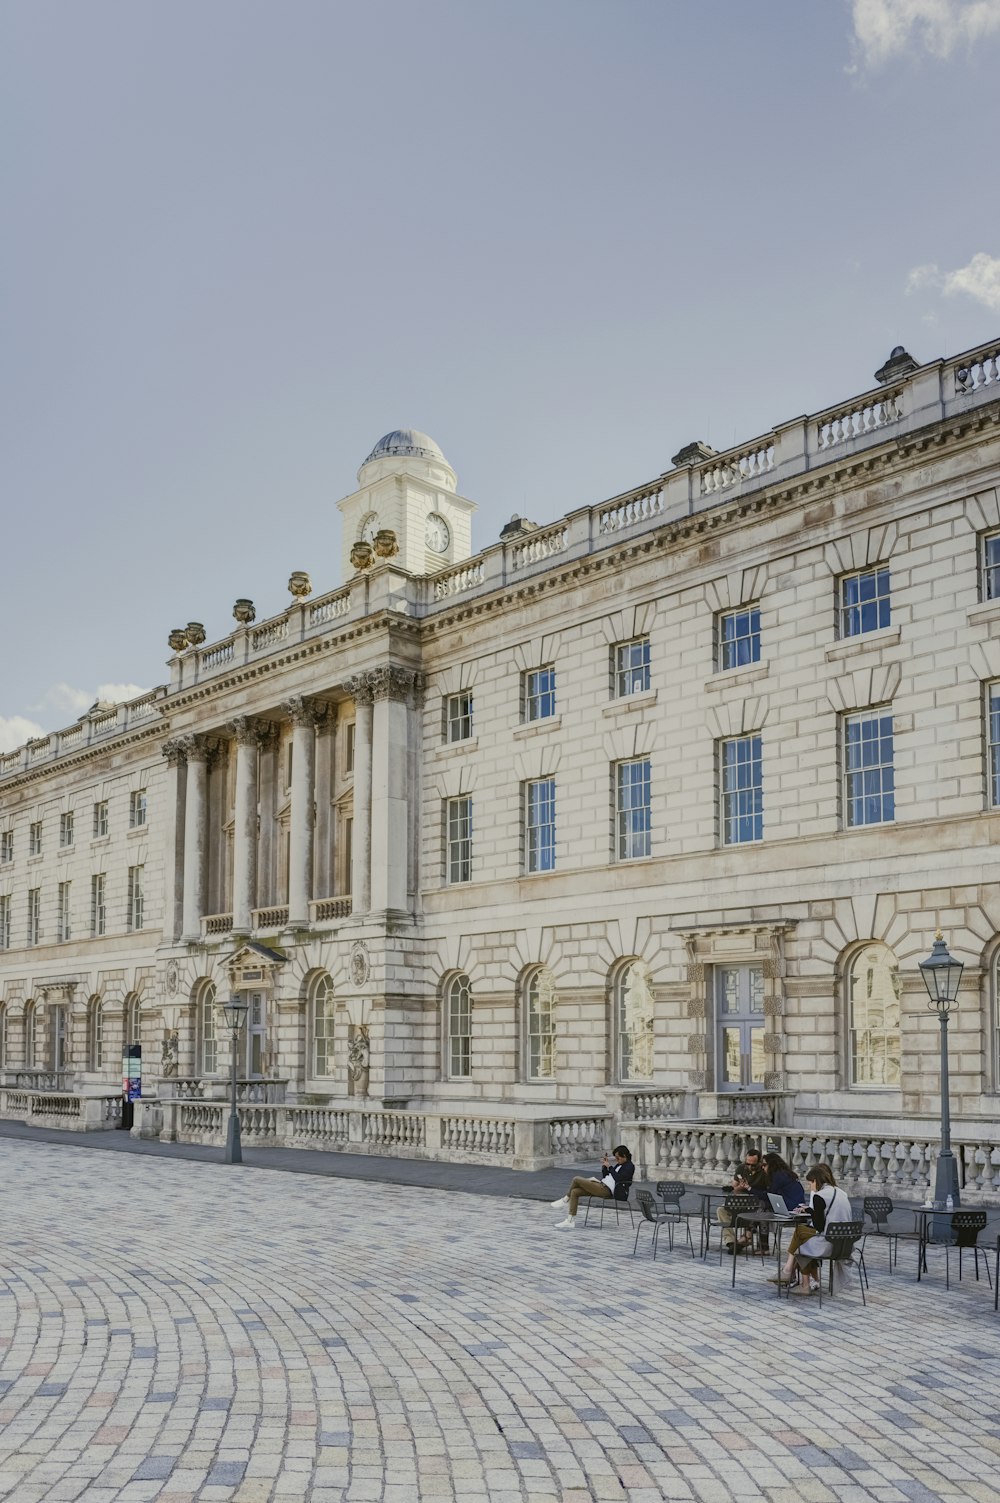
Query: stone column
[[390, 832], [304, 714], [360, 688], [247, 732], [197, 752], [173, 854]]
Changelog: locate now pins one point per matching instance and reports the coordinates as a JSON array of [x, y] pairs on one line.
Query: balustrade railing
[[216, 923], [468, 576], [578, 1137], [330, 608], [653, 1106], [269, 633], [214, 657], [318, 1126], [978, 369], [394, 1129], [859, 418], [488, 1135], [630, 511], [538, 546], [269, 918], [748, 462], [324, 909]]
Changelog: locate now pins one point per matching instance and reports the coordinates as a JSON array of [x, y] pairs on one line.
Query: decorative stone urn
[[195, 633], [299, 584], [386, 545], [244, 612], [362, 555], [177, 640]]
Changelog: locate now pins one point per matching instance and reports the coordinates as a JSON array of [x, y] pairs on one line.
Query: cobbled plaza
[[178, 1330]]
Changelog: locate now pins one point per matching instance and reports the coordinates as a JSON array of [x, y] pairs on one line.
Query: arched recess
[[321, 1007], [538, 1023], [456, 1025], [873, 1017], [632, 1025]]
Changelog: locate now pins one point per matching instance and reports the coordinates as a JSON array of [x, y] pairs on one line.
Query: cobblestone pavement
[[176, 1330]]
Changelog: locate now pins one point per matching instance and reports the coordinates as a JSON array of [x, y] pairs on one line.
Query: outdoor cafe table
[[923, 1215], [707, 1197], [764, 1219]]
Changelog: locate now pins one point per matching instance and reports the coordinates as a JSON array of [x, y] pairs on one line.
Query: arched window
[[133, 1019], [95, 1034], [321, 1011], [206, 1025], [30, 1036], [873, 991], [458, 1027], [540, 1025], [633, 998]]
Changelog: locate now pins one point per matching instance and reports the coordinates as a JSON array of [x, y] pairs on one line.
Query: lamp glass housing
[[942, 975], [233, 1012]]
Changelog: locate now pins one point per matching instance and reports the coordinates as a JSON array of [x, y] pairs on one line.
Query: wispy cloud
[[979, 280], [15, 730], [884, 29]]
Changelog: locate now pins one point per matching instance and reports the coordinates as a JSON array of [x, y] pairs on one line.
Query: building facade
[[636, 823]]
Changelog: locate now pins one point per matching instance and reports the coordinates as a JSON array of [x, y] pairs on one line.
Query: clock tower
[[406, 484]]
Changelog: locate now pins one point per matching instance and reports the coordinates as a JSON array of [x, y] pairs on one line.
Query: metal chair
[[736, 1205], [847, 1240], [671, 1193], [964, 1234], [650, 1215], [606, 1201], [878, 1209]]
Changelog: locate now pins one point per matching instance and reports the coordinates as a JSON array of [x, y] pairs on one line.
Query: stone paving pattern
[[178, 1330]]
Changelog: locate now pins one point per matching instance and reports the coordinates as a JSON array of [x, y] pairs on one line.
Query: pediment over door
[[254, 965]]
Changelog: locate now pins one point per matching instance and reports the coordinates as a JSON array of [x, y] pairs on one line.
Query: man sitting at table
[[748, 1179]]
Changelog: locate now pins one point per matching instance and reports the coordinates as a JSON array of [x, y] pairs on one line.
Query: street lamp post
[[233, 1013], [942, 975]]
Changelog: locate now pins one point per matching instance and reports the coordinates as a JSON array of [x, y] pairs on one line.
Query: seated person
[[826, 1204], [781, 1181], [747, 1180], [612, 1183]]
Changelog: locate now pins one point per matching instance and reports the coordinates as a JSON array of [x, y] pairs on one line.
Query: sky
[[242, 240]]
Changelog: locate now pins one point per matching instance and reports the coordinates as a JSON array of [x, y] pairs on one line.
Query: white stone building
[[635, 824]]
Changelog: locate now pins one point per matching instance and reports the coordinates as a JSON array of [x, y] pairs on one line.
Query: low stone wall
[[61, 1109]]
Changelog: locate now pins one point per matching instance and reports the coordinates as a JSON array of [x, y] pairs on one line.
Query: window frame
[[991, 719], [457, 711], [138, 809], [546, 1038], [624, 669], [35, 838], [989, 573], [539, 848], [457, 1003], [98, 905], [458, 845], [136, 899], [853, 611], [538, 701], [102, 823], [6, 847], [66, 829], [881, 713], [5, 908], [851, 1031], [724, 643], [95, 1034], [734, 821], [34, 917], [322, 995], [623, 835], [64, 925]]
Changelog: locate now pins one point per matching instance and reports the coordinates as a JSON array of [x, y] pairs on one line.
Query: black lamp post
[[942, 975], [233, 1012]]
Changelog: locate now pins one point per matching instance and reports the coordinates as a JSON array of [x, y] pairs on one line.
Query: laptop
[[778, 1205]]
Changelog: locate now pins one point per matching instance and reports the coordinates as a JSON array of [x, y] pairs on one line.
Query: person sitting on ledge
[[612, 1183]]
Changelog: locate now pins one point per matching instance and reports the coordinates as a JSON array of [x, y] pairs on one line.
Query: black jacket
[[622, 1176]]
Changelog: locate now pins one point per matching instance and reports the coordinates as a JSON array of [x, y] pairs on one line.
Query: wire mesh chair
[[878, 1209], [847, 1243], [652, 1217], [671, 1193], [737, 1205], [605, 1202], [964, 1235]]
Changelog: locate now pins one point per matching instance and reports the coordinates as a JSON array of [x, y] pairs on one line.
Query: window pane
[[864, 602], [632, 667], [739, 637], [991, 567], [540, 694], [869, 787], [742, 790], [541, 825], [633, 810], [635, 1023], [541, 1026]]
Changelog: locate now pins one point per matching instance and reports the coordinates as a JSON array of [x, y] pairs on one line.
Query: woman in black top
[[781, 1181], [619, 1173]]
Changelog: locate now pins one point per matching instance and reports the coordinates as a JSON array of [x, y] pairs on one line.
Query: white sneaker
[[562, 1201], [570, 1222]]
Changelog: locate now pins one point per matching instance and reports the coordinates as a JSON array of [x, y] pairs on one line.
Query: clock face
[[369, 527], [436, 534]]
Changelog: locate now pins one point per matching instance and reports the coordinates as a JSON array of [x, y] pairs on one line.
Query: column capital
[[302, 710], [193, 747], [390, 681], [359, 687], [250, 730], [174, 751]]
